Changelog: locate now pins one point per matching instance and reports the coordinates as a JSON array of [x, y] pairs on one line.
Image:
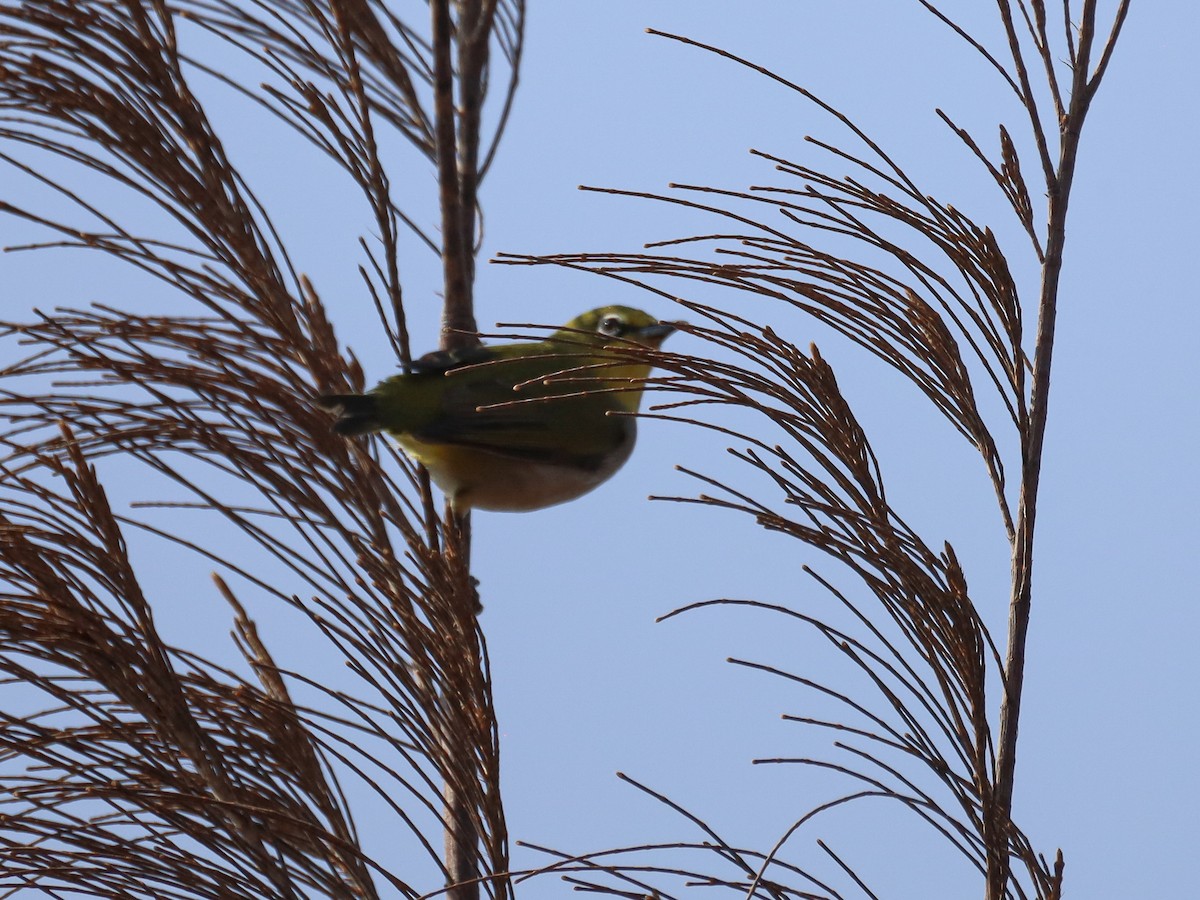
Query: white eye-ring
[[612, 325]]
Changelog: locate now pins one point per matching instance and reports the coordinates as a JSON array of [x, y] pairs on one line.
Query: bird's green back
[[549, 399]]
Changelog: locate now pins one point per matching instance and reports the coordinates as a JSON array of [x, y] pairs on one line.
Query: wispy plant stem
[[458, 318], [1059, 183], [456, 122]]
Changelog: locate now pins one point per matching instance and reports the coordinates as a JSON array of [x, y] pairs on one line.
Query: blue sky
[[1107, 761], [586, 683]]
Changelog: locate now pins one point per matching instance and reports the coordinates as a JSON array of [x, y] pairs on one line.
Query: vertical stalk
[[458, 317], [1059, 184], [462, 839], [456, 159]]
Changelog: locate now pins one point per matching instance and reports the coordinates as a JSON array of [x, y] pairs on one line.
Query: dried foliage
[[931, 293], [145, 771], [142, 770]]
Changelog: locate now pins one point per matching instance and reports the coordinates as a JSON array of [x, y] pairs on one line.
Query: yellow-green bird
[[522, 426]]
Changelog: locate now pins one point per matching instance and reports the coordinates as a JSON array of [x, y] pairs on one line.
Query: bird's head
[[614, 326], [601, 336]]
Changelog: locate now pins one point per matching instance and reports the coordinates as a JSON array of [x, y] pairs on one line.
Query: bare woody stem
[[457, 134], [458, 317], [1058, 191], [462, 836], [1022, 560]]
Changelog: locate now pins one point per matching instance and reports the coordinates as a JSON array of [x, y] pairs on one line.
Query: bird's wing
[[481, 409], [441, 361]]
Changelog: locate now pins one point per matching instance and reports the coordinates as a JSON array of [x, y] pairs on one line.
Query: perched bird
[[521, 426]]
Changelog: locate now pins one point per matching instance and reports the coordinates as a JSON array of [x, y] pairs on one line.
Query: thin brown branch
[[458, 319], [1026, 93]]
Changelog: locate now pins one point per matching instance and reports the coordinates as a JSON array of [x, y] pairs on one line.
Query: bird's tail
[[356, 413]]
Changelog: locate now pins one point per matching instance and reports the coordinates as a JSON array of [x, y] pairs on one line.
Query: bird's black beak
[[657, 333]]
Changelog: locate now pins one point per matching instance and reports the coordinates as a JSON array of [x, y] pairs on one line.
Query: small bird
[[517, 427]]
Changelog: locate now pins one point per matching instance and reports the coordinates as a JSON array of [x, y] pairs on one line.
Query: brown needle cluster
[[135, 768]]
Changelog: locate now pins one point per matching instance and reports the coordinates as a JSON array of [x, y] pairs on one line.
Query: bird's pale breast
[[481, 479]]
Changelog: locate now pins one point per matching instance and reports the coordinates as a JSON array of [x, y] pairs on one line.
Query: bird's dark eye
[[611, 325]]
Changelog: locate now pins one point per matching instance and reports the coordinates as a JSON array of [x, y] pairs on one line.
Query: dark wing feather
[[480, 409]]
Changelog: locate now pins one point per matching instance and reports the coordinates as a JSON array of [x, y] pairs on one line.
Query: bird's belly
[[478, 479]]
